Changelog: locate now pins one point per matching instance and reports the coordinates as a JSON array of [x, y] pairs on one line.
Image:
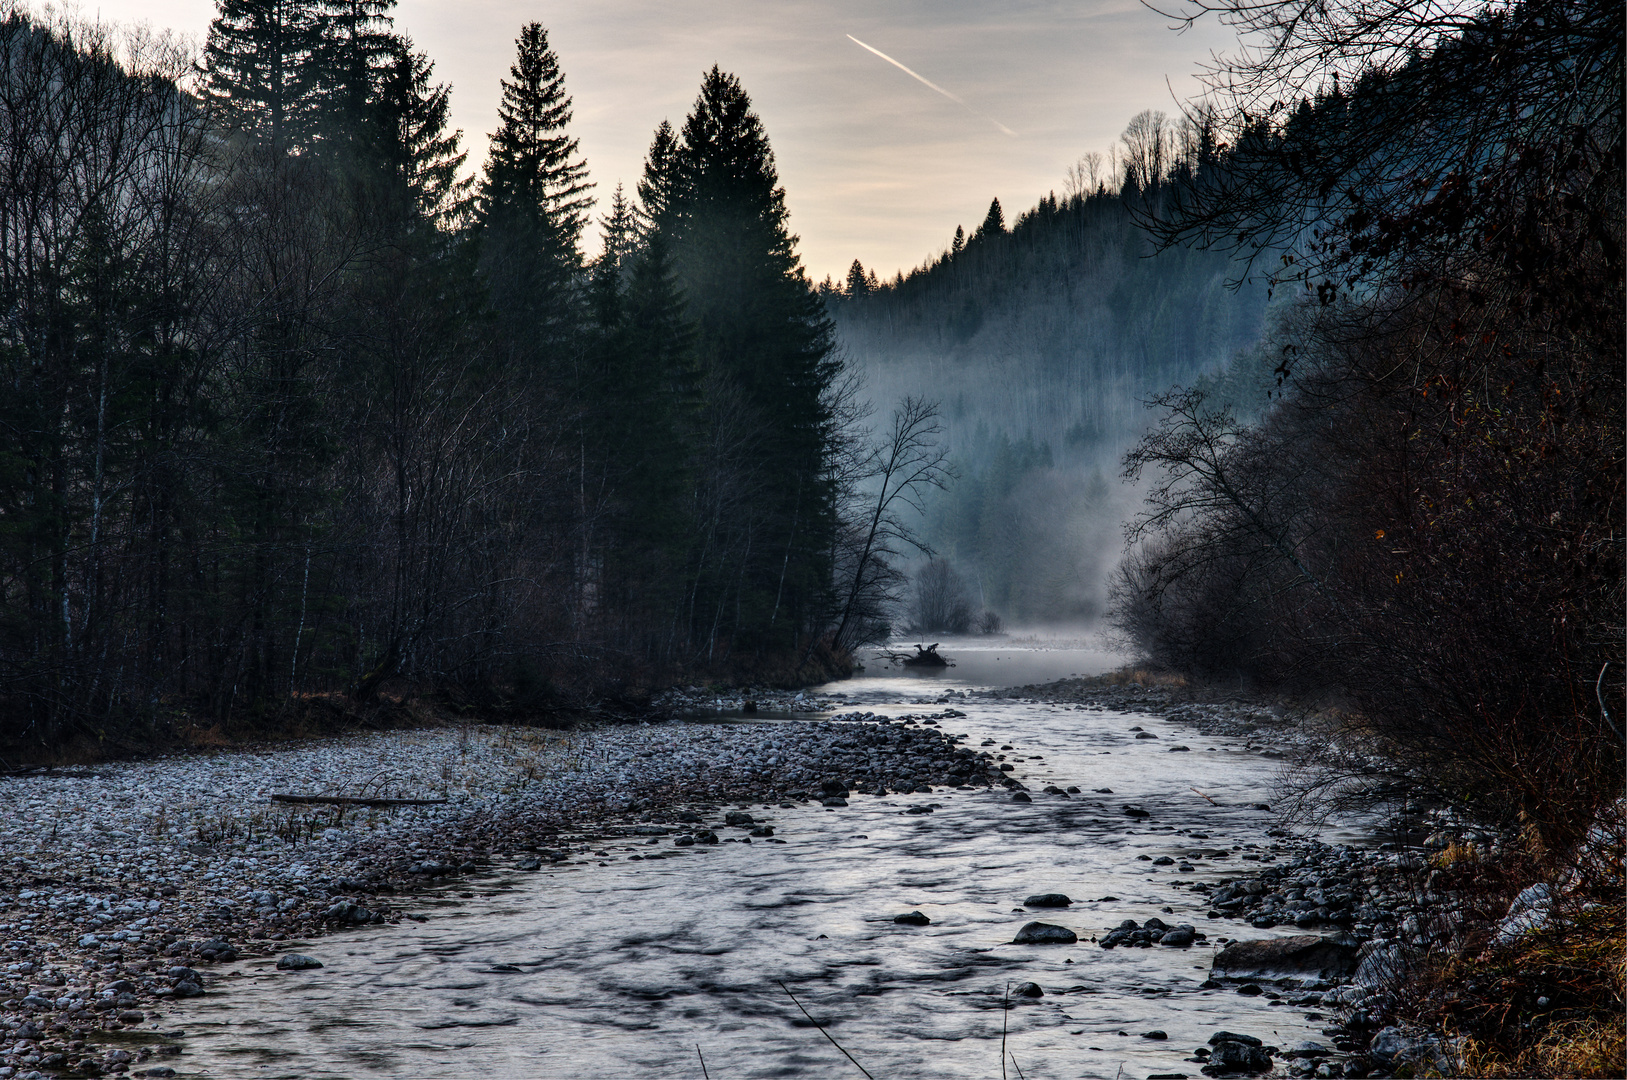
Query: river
[[672, 968]]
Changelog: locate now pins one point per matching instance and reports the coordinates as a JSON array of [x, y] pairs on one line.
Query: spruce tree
[[958, 244], [424, 159], [260, 69], [660, 180], [356, 48], [994, 222], [764, 345], [533, 200], [534, 171], [857, 283]]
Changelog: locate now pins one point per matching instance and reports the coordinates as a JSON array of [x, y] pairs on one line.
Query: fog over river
[[624, 968]]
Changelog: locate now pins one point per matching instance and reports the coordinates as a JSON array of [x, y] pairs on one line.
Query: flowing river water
[[673, 968]]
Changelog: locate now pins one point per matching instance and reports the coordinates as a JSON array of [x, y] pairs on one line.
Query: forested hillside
[[1043, 341]]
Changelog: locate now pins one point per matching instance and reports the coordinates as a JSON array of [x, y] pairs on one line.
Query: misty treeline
[[1425, 517], [294, 405], [1043, 338]]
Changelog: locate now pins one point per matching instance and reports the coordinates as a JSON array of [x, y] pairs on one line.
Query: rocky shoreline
[[126, 884], [1368, 915]]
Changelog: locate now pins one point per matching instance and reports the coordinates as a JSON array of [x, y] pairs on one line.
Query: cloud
[[929, 83]]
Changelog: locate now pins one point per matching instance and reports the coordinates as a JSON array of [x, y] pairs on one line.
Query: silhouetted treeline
[[295, 408], [1427, 515], [1055, 328]]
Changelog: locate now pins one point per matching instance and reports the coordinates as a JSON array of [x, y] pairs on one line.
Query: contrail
[[929, 83]]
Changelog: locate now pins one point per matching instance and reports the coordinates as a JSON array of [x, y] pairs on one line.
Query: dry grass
[[1550, 1003], [1142, 676]]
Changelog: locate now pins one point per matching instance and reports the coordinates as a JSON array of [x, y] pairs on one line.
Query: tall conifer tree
[[534, 170], [424, 158], [533, 198], [763, 343], [260, 72]]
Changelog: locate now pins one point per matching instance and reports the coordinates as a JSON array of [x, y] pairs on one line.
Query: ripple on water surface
[[621, 970]]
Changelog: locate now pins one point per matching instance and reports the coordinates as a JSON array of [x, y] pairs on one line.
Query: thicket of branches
[[294, 411], [1427, 517]]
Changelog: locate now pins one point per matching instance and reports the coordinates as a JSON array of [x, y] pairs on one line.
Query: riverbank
[[126, 884], [1475, 955]]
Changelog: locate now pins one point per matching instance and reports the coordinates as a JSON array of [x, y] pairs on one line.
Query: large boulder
[[1302, 956], [1038, 933]]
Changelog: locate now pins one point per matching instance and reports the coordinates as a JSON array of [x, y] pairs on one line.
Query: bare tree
[[900, 468]]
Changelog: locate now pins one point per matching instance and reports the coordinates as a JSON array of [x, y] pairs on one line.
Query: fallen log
[[346, 800]]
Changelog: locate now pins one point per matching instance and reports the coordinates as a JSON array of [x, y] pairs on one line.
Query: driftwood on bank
[[346, 800]]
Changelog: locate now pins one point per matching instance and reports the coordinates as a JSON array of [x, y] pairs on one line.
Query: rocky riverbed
[[129, 885]]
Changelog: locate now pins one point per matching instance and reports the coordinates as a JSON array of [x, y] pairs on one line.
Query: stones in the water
[[834, 800], [1231, 1036], [1302, 955], [1103, 790], [297, 962], [1038, 933], [688, 817], [1135, 811], [1050, 899], [1155, 1035], [912, 918], [736, 817], [1163, 860], [530, 863], [1250, 990], [763, 830], [1028, 990], [684, 841], [1146, 735], [1179, 937], [1230, 1056], [1021, 796]]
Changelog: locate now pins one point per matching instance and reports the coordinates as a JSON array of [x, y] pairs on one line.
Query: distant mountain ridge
[[1055, 329]]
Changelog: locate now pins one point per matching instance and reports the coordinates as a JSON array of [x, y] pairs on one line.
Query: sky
[[877, 165]]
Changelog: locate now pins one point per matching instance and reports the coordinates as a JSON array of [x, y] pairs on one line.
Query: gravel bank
[[124, 884]]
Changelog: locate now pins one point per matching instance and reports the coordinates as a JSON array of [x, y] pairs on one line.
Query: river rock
[[736, 817], [1135, 812], [1304, 955], [1039, 933], [1021, 796], [912, 918], [834, 800], [1393, 1048], [217, 951], [1050, 899], [297, 962], [1231, 1036], [1028, 990], [1229, 1057], [1180, 936]]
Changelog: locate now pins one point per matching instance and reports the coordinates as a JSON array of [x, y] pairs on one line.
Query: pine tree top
[[534, 168]]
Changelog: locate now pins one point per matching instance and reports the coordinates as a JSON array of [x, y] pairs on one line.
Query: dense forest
[[299, 407]]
